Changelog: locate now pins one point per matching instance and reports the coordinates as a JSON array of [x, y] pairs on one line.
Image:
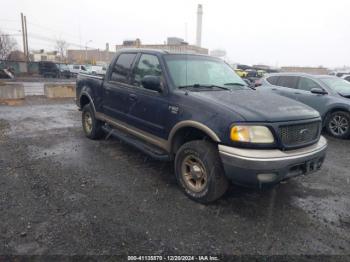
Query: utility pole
[[23, 36], [26, 34]]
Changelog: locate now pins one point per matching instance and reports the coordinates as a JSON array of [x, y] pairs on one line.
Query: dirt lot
[[61, 193]]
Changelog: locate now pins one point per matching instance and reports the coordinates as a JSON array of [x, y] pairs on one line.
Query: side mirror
[[152, 83], [318, 91]]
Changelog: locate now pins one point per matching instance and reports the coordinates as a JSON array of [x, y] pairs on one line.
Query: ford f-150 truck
[[196, 111]]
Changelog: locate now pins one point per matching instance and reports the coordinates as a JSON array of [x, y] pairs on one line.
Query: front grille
[[299, 134]]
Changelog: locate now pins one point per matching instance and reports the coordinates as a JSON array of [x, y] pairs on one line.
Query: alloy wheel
[[194, 174], [339, 125], [88, 122]]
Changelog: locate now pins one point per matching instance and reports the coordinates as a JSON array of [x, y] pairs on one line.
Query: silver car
[[329, 95]]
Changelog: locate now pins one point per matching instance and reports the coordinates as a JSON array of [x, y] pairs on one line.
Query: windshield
[[337, 84], [190, 70]]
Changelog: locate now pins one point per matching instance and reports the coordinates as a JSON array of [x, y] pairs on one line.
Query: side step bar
[[152, 151]]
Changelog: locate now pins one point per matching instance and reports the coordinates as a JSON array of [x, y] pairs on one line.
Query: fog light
[[265, 178]]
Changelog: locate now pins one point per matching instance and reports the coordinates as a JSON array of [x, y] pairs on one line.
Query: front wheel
[[338, 124], [199, 171], [91, 126]]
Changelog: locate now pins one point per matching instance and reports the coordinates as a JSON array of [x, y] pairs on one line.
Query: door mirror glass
[[151, 83], [319, 91]]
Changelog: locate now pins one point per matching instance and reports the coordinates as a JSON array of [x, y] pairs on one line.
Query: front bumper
[[254, 167]]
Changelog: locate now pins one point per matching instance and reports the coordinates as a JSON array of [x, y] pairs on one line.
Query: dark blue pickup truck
[[194, 110]]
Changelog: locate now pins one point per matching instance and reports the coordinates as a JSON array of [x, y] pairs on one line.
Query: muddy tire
[[199, 171], [338, 124], [91, 126]]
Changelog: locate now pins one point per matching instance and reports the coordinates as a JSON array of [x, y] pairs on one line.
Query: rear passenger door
[[116, 89], [286, 86], [149, 108]]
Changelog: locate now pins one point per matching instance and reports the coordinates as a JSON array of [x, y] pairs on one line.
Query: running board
[[152, 151]]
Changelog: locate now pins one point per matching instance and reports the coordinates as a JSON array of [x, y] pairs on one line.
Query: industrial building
[[173, 44], [309, 70], [90, 56]]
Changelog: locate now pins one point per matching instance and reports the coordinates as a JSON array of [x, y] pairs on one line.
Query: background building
[[302, 69], [173, 44], [90, 56], [42, 55]]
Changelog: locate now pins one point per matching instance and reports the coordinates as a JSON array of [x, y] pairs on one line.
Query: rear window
[[287, 81], [121, 69], [272, 80]]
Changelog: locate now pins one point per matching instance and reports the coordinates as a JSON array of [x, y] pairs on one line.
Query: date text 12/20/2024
[[173, 258]]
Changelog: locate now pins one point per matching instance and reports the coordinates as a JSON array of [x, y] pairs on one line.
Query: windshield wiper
[[203, 86], [234, 84]]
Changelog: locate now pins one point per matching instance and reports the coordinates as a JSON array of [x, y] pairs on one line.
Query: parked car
[[329, 95], [64, 70], [6, 73], [252, 73], [241, 72], [76, 69], [196, 111], [95, 70], [261, 73], [48, 69], [346, 77]]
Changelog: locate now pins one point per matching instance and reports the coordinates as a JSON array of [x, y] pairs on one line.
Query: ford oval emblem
[[304, 131]]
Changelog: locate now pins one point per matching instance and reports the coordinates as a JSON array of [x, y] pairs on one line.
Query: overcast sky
[[274, 32]]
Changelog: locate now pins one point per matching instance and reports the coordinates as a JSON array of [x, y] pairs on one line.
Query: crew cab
[[196, 111]]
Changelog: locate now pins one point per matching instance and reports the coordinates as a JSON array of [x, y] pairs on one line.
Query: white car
[[96, 70], [76, 69]]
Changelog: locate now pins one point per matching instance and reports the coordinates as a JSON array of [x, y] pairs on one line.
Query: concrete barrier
[[11, 90], [53, 90]]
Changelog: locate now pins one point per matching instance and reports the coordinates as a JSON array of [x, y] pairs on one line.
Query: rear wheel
[[199, 171], [91, 126], [338, 124]]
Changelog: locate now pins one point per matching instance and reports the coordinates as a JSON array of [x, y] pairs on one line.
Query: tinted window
[[287, 81], [272, 80], [121, 69], [76, 67], [347, 78], [307, 84], [148, 65]]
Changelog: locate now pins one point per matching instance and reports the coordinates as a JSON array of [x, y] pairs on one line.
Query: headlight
[[251, 134]]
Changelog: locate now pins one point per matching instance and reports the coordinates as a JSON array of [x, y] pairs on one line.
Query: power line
[[45, 38], [50, 29]]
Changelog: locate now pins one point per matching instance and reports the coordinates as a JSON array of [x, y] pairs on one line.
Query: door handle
[[273, 89], [297, 93], [133, 97]]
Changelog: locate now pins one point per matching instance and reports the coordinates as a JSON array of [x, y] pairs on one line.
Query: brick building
[[90, 56]]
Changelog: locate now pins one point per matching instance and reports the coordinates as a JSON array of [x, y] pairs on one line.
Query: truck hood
[[255, 106]]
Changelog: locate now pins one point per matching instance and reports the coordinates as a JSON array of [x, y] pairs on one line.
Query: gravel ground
[[61, 193]]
